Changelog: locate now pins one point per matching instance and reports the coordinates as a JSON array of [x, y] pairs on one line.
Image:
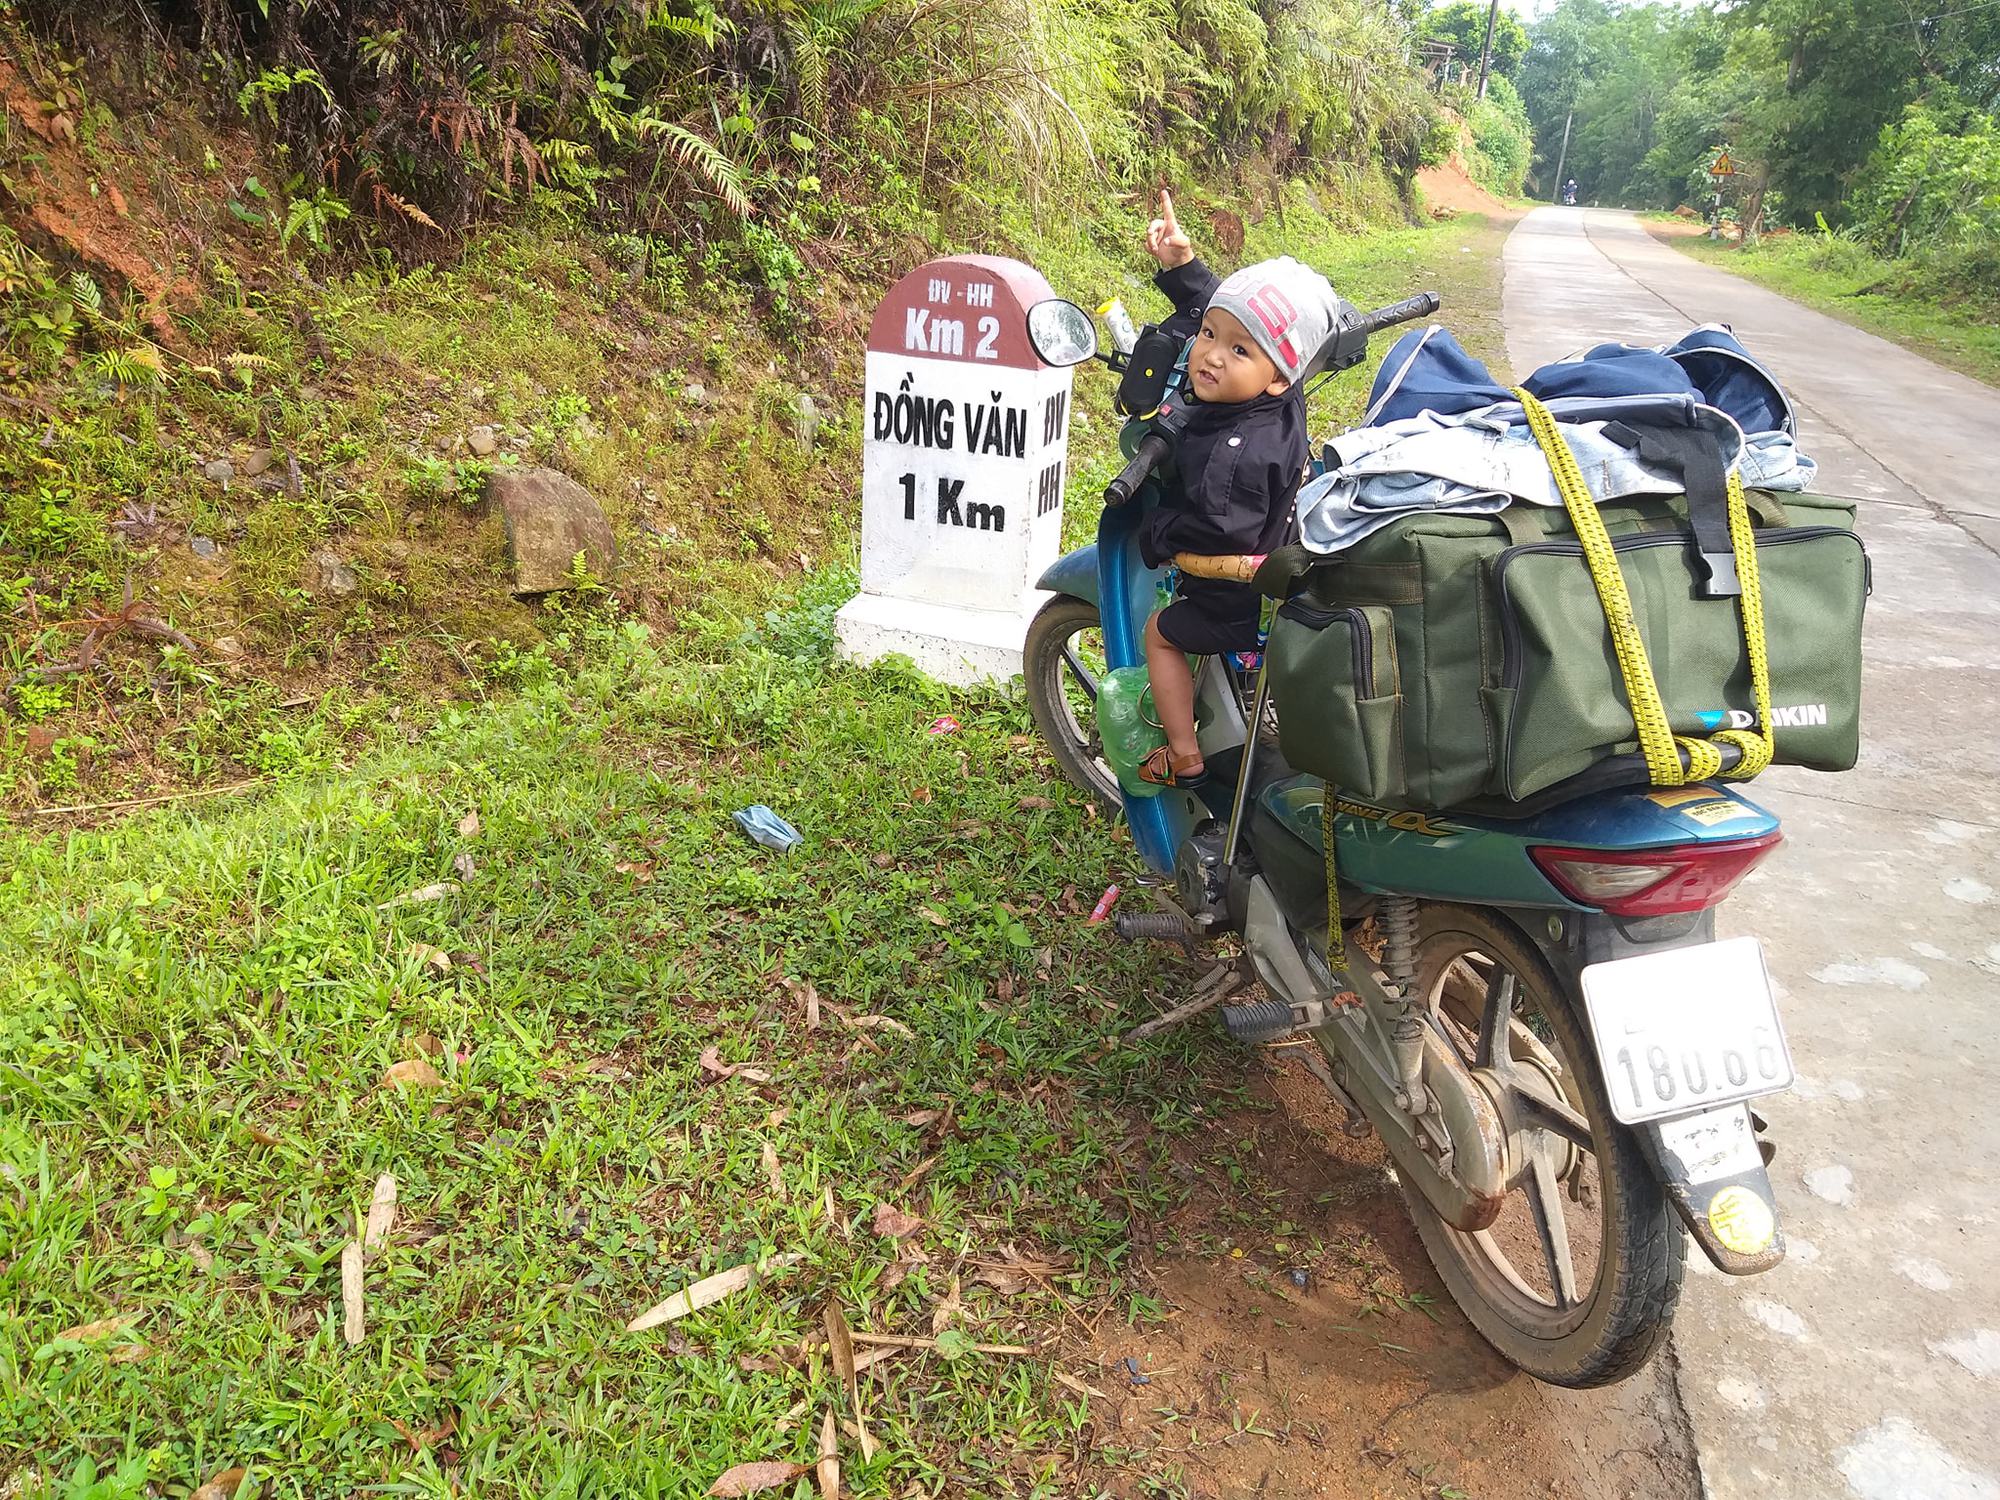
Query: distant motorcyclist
[[1569, 192]]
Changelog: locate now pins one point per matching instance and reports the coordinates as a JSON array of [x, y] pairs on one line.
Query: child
[[1240, 460]]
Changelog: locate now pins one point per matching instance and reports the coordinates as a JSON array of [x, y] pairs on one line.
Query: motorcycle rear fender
[[1709, 1200], [1712, 1205], [1075, 575]]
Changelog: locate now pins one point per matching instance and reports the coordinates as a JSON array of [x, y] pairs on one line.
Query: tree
[[1463, 24]]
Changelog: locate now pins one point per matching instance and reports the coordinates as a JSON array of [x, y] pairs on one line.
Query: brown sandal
[[1164, 768]]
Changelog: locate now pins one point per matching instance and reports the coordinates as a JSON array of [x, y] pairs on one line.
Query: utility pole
[[1562, 156], [1486, 52]]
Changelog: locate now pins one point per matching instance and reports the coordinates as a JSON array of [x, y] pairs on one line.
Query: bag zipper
[[1510, 628], [1363, 638]]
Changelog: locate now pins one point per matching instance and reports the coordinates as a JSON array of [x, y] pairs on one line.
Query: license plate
[[1686, 1029]]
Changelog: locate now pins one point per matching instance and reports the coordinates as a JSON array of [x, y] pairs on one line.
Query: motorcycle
[[1533, 1011]]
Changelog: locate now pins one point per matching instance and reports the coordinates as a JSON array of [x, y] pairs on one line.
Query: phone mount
[[1148, 368]]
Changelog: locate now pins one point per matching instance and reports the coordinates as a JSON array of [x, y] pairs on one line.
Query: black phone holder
[[1147, 370]]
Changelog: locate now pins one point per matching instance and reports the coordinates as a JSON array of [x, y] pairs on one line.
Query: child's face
[[1226, 365]]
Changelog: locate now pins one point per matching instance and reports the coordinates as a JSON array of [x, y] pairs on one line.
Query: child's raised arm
[[1166, 241]]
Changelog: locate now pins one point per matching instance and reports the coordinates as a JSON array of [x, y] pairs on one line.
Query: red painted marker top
[[970, 309]]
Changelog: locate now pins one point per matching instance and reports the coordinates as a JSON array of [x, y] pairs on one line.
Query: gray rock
[[483, 441], [805, 423], [550, 518], [694, 394], [218, 471], [335, 575], [204, 547], [258, 461]]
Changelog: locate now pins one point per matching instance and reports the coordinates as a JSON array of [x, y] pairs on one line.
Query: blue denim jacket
[[1445, 437]]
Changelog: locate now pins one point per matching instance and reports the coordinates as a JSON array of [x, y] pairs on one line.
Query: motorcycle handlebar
[[1153, 447], [1408, 310]]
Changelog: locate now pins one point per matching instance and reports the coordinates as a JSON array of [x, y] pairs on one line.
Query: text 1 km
[[974, 515]]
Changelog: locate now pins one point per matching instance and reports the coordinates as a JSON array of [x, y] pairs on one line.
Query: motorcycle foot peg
[[1265, 1021], [1154, 926]]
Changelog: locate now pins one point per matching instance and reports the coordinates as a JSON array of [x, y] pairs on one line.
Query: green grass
[[577, 367], [203, 1002], [202, 1007], [1840, 277]]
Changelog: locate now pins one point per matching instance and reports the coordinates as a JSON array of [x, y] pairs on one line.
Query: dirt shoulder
[[1309, 1349]]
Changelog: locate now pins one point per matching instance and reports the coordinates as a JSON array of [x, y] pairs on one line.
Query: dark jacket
[[1238, 466]]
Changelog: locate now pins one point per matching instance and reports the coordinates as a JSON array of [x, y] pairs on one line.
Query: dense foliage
[[1502, 141], [745, 118], [1871, 113], [1463, 24]]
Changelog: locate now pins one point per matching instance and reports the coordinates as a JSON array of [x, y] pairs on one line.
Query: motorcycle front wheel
[[1577, 1280], [1062, 661]]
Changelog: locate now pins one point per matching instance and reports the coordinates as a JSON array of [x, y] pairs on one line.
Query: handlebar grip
[[1152, 449], [1420, 306]]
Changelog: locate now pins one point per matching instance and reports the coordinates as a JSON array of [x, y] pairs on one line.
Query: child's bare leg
[[1173, 696]]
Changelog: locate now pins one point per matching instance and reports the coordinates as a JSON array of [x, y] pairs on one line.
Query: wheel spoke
[[1083, 674], [1554, 1116], [1545, 1198], [1495, 1048]]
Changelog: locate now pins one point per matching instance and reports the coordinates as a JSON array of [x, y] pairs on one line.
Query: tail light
[[1653, 882]]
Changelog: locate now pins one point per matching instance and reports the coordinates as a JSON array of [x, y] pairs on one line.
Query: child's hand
[[1165, 238]]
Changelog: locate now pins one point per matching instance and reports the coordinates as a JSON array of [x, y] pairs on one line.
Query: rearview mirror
[[1062, 332]]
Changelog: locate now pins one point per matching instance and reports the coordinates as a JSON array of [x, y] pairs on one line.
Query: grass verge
[[588, 1057], [209, 1014], [315, 529]]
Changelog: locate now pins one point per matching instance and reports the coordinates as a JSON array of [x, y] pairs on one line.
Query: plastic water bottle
[[1125, 723], [1124, 333]]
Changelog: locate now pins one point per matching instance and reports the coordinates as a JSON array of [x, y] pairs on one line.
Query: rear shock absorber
[[1396, 918]]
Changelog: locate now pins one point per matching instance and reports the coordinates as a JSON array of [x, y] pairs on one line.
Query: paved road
[[1868, 1364]]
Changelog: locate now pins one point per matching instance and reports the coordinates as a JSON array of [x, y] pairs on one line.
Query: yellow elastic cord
[[1656, 736], [1336, 937], [1657, 741]]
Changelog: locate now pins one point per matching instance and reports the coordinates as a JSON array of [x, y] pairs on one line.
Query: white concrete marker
[[965, 440]]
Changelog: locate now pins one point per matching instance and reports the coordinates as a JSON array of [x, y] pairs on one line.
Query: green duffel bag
[[1451, 660]]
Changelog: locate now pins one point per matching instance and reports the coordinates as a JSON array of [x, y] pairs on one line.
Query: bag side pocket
[[1339, 697]]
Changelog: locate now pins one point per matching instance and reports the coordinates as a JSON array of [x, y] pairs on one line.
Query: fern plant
[[140, 365], [314, 217], [696, 153]]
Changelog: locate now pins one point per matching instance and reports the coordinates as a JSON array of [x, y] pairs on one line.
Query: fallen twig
[[710, 1290], [91, 807], [381, 1213], [1219, 989], [350, 1291], [903, 1341]]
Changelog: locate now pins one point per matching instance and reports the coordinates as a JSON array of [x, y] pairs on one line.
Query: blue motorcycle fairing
[[1074, 574], [1127, 592], [1703, 812], [1486, 860]]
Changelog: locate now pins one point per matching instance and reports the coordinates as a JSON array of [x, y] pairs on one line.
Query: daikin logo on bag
[[1793, 716]]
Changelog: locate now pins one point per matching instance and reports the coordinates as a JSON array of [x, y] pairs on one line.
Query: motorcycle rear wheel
[[1577, 1281], [1061, 662]]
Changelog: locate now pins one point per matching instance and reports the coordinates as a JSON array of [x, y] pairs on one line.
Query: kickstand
[[1217, 985]]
